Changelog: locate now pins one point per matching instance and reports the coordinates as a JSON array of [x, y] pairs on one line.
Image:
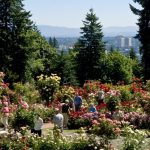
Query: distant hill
[[125, 31], [54, 31]]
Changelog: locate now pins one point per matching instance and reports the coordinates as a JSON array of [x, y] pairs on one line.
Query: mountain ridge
[[57, 31]]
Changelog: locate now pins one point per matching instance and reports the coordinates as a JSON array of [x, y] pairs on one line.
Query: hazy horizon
[[79, 27], [55, 31]]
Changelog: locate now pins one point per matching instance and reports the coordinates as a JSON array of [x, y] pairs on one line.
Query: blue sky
[[70, 13]]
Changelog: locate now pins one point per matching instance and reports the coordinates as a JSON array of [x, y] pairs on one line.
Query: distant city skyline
[[70, 13]]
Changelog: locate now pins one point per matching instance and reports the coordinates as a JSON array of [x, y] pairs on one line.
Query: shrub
[[104, 128], [65, 92], [134, 139], [125, 94], [112, 100], [22, 117], [118, 67], [78, 122], [47, 86], [49, 142], [28, 91], [45, 113]]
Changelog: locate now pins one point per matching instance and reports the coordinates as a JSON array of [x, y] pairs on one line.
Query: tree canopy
[[24, 52]]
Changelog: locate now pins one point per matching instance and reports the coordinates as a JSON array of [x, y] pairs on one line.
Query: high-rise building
[[123, 42]]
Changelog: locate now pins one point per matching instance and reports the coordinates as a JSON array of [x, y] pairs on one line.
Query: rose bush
[[47, 85]]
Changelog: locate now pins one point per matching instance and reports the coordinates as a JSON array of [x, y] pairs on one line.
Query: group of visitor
[[60, 119], [61, 116]]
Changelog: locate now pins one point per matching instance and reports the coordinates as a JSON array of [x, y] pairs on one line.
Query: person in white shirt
[[58, 120], [38, 124]]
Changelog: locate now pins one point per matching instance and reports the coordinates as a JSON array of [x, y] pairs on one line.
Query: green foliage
[[4, 145], [53, 42], [24, 52], [28, 91], [137, 68], [112, 102], [46, 113], [65, 67], [49, 142], [14, 25], [132, 54], [117, 67], [22, 118], [125, 94], [42, 58], [136, 65], [89, 49], [78, 123]]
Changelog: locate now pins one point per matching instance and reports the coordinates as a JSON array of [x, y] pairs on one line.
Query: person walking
[[65, 112], [38, 124], [58, 119]]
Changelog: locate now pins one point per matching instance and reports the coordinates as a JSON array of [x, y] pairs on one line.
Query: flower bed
[[55, 141]]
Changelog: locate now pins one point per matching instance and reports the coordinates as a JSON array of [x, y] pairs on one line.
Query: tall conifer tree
[[14, 25], [144, 33], [90, 48]]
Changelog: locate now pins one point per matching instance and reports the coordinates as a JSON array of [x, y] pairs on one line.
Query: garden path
[[51, 125], [48, 125]]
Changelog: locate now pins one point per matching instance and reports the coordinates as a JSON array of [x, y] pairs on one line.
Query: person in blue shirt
[[92, 108], [77, 102]]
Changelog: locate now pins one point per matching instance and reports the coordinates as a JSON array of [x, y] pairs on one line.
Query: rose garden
[[105, 90], [91, 130]]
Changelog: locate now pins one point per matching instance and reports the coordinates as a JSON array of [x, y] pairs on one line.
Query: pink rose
[[5, 110], [5, 103], [24, 105]]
